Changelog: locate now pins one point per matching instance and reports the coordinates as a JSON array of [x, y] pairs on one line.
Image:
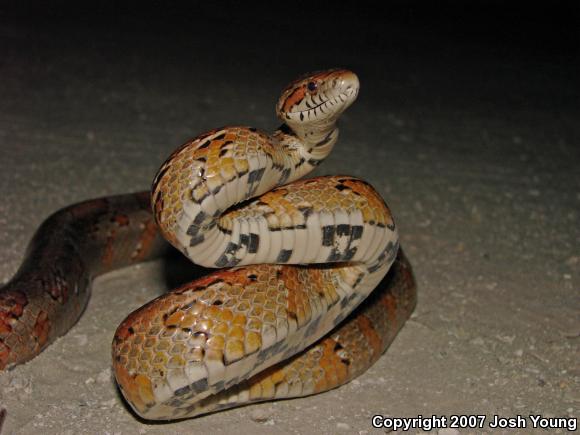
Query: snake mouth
[[310, 108], [341, 98]]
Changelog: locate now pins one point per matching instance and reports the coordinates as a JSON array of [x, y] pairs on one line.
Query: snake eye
[[312, 86]]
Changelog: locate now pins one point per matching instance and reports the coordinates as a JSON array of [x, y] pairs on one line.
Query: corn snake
[[302, 256]]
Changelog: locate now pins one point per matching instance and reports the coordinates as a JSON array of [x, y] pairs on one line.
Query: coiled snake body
[[300, 256]]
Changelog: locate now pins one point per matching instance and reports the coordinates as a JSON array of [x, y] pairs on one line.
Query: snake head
[[317, 99]]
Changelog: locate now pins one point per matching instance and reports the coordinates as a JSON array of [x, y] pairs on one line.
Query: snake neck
[[306, 149]]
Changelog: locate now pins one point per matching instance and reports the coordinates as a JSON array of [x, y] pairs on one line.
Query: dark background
[[414, 55]]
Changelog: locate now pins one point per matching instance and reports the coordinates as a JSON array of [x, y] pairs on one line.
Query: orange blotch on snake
[[294, 98], [137, 389], [174, 319], [335, 371]]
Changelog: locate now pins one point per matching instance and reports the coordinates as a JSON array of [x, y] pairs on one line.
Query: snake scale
[[283, 317]]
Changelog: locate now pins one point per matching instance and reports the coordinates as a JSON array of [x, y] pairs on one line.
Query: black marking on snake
[[183, 390], [328, 235], [192, 230], [325, 140], [338, 319], [314, 162], [256, 175], [391, 226], [388, 254], [349, 254], [284, 256], [201, 216], [254, 243], [342, 230], [346, 301], [217, 189], [224, 230], [312, 327], [204, 144], [300, 163], [220, 137], [244, 240], [393, 250], [199, 386], [225, 260], [264, 354], [356, 232], [306, 211], [253, 129], [224, 148], [334, 255], [285, 175], [232, 248], [196, 240], [200, 200], [358, 280]]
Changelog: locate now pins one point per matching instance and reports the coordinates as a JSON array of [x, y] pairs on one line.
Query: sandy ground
[[474, 146]]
